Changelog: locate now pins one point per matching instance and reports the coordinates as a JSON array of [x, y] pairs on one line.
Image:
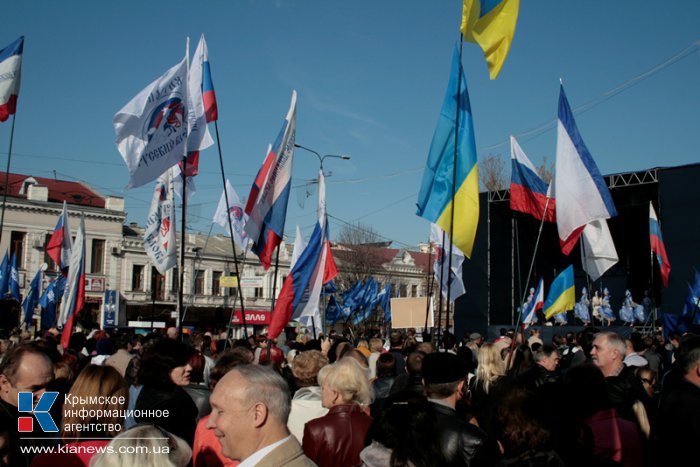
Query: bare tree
[[492, 173], [357, 251], [545, 170]]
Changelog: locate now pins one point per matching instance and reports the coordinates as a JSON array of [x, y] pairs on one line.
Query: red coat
[[336, 439]]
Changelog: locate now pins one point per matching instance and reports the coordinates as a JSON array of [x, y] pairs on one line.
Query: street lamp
[[320, 157]]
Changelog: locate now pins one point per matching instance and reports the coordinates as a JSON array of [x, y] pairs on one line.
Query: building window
[[157, 284], [199, 282], [258, 292], [137, 278], [414, 290], [98, 256], [17, 246], [215, 286], [403, 290]]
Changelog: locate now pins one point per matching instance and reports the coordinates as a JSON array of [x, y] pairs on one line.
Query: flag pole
[[274, 293], [430, 287], [239, 292], [183, 233], [527, 282], [442, 270], [454, 183], [7, 176]]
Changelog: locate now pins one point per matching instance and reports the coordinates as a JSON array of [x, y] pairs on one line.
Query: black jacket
[[462, 443], [536, 376], [182, 412]]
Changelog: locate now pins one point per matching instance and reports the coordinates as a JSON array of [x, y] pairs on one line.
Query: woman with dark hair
[[197, 390], [165, 371]]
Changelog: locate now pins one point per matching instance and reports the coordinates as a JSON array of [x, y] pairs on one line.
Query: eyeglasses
[[650, 382]]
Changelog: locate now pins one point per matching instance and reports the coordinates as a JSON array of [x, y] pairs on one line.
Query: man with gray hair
[[250, 408], [544, 370]]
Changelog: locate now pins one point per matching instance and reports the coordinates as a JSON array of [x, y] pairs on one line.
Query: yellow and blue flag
[[435, 200], [561, 296], [491, 24]]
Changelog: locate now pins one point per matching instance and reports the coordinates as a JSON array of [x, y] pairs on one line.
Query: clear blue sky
[[370, 75]]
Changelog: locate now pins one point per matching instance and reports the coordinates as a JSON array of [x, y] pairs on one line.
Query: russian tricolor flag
[[657, 245], [269, 195], [74, 295], [10, 71], [208, 94], [60, 245], [528, 192], [581, 193]]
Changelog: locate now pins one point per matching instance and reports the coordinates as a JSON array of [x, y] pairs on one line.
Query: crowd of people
[[592, 398]]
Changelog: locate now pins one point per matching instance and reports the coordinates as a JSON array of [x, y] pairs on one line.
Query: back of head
[[386, 365], [490, 365], [145, 445], [228, 360], [586, 385], [348, 378], [688, 355], [414, 363], [306, 366], [442, 373]]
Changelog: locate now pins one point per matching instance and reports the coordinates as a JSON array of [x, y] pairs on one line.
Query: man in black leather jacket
[[462, 443], [543, 371]]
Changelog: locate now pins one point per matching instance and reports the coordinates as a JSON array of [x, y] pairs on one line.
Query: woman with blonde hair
[[489, 387], [337, 438], [145, 445], [106, 394]]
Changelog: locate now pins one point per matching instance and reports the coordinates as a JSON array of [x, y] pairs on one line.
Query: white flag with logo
[[152, 128], [160, 239], [441, 264], [599, 249], [235, 211]]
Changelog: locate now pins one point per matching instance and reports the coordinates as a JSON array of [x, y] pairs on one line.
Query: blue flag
[[5, 276], [385, 302], [14, 280], [691, 309], [330, 288], [49, 301], [333, 312], [31, 300]]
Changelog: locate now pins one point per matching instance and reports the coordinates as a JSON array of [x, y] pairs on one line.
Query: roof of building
[[77, 193]]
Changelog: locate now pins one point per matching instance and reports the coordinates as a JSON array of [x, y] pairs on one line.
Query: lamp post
[[320, 160]]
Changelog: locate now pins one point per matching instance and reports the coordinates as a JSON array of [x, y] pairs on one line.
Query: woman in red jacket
[[336, 439]]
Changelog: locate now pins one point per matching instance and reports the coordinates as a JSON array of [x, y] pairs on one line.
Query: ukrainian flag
[[491, 24], [435, 202], [561, 296]]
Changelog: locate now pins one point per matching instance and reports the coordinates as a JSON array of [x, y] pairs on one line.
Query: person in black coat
[[164, 372], [461, 443]]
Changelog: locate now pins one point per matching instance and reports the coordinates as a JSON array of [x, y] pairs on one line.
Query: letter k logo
[[25, 403]]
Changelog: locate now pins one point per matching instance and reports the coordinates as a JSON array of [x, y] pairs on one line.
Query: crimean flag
[[10, 72], [561, 296], [491, 24], [657, 245], [528, 192], [581, 193], [74, 295], [435, 200], [60, 244], [269, 195]]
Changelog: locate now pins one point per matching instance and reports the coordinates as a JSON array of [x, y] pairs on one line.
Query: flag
[[5, 275], [31, 300], [301, 291], [10, 73], [269, 195], [330, 288], [14, 280], [368, 296], [208, 95], [657, 245], [441, 264], [385, 302], [49, 301], [599, 253], [528, 192], [534, 306], [199, 137], [233, 214], [333, 312], [561, 297], [152, 128], [177, 179], [350, 298], [691, 311], [579, 189], [74, 296], [435, 200], [60, 244], [159, 237], [299, 245], [491, 24]]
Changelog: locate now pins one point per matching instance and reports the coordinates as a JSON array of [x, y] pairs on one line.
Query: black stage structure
[[505, 241]]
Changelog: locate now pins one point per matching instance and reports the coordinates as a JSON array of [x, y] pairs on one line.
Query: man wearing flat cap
[[462, 443]]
